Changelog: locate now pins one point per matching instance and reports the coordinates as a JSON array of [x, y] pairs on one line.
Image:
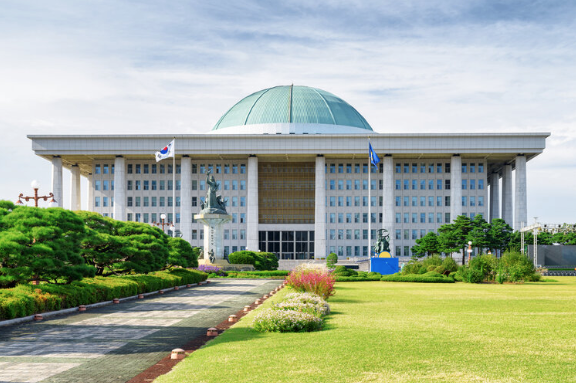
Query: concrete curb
[[51, 314]]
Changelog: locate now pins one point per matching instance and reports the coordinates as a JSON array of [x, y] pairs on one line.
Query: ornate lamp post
[[163, 222], [469, 251], [35, 185]]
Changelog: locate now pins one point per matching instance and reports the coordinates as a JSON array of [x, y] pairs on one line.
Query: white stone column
[[57, 180], [388, 196], [455, 187], [520, 195], [75, 199], [120, 188], [90, 192], [186, 198], [320, 213], [507, 194], [494, 196], [252, 205]]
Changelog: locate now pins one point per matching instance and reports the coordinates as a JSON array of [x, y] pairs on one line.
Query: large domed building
[[292, 161]]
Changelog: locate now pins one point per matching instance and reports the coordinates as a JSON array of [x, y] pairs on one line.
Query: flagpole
[[174, 187], [369, 208]]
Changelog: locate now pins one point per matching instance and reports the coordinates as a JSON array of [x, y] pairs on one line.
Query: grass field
[[408, 332]]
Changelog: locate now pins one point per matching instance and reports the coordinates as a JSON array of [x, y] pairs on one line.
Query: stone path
[[115, 343]]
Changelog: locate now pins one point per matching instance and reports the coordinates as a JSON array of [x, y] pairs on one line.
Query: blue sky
[[109, 67]]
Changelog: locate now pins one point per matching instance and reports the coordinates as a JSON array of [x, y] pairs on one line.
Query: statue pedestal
[[213, 234]]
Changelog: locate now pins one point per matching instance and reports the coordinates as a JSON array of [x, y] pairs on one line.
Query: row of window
[[354, 217], [426, 217], [168, 169], [169, 185], [153, 217], [354, 201], [350, 168], [436, 201], [436, 167], [421, 184]]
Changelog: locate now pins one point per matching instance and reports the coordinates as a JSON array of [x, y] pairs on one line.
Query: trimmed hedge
[[358, 279], [279, 274], [260, 260], [415, 278], [25, 300]]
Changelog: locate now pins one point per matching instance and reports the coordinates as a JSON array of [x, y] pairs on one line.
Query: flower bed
[[272, 320]]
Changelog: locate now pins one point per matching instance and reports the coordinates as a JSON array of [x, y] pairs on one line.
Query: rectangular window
[[472, 184], [137, 185], [348, 201], [398, 168], [129, 201], [430, 201], [480, 168], [154, 168], [480, 200], [162, 185], [162, 202], [422, 217], [340, 201], [340, 184], [406, 218], [170, 202], [446, 217], [96, 201], [422, 184], [332, 201], [464, 201], [472, 167], [129, 170], [154, 203], [406, 168], [348, 184], [414, 217], [438, 217], [170, 185], [170, 169], [398, 201], [105, 184], [431, 168], [406, 234], [398, 234], [472, 201], [146, 201], [438, 184], [430, 184], [438, 168], [97, 185], [438, 201], [406, 185], [414, 167], [105, 168], [414, 234], [364, 184], [447, 167], [430, 217], [480, 184], [398, 185], [364, 201], [129, 185], [146, 168], [242, 201], [242, 185], [414, 184], [146, 185], [138, 169], [340, 168], [464, 167], [422, 201], [447, 201], [137, 202], [129, 217], [447, 184], [464, 184], [406, 201], [398, 218], [414, 201], [357, 201]]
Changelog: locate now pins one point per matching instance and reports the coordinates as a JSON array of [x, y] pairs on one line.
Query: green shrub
[[343, 271], [449, 264], [435, 261], [25, 300], [416, 278], [331, 260], [412, 267], [241, 258], [433, 274], [517, 266]]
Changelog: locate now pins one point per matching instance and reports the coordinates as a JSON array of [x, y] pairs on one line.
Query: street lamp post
[[163, 222], [35, 185], [469, 251]]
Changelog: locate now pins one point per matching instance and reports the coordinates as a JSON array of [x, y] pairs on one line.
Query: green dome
[[303, 107]]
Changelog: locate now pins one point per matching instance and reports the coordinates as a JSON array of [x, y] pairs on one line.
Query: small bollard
[[233, 318], [272, 293], [199, 284], [177, 354], [265, 297], [115, 301], [188, 285], [212, 331], [160, 292], [82, 308], [176, 287], [207, 281], [38, 317], [246, 309], [140, 296]]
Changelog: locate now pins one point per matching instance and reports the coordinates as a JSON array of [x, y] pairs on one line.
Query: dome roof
[[291, 109]]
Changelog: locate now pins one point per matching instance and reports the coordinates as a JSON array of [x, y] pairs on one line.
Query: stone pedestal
[[213, 234]]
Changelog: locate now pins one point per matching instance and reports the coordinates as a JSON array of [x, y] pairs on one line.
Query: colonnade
[[513, 213]]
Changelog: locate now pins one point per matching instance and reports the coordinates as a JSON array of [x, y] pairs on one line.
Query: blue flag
[[373, 156]]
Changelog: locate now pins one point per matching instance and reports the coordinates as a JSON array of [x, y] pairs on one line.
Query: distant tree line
[[60, 246], [496, 236]]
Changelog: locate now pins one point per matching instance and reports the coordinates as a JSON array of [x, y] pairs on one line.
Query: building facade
[[293, 164]]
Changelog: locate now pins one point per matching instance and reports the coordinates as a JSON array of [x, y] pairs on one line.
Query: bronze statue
[[383, 242], [214, 204]]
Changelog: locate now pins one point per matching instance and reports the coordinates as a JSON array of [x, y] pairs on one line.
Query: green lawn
[[408, 332]]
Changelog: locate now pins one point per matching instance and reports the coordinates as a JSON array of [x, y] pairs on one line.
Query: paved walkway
[[116, 342]]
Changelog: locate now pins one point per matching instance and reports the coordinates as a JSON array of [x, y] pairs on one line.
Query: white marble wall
[[120, 188], [320, 212], [520, 195], [252, 205], [507, 194], [57, 180]]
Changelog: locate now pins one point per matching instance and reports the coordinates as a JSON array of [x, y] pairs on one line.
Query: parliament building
[[292, 163]]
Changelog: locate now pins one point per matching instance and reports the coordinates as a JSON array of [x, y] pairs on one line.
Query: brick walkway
[[116, 342]]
